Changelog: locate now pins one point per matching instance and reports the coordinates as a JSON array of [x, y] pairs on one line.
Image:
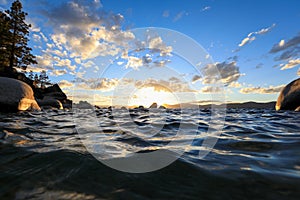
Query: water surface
[[256, 157]]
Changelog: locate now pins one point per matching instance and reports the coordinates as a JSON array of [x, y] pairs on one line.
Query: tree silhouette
[[43, 79], [5, 34], [14, 39], [31, 76]]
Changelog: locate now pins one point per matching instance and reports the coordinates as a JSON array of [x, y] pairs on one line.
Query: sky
[[133, 52]]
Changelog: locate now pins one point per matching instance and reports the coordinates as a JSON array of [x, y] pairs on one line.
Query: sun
[[147, 96]]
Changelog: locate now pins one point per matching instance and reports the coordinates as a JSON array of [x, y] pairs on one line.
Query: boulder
[[162, 107], [50, 103], [153, 105], [16, 95], [67, 103], [52, 97], [55, 95], [289, 97]]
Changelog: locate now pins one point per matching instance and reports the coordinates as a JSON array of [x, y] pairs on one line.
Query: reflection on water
[[256, 157]]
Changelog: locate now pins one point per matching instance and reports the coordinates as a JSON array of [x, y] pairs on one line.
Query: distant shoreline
[[250, 104]]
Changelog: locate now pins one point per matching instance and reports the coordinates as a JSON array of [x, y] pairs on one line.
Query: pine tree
[[43, 79], [31, 76], [35, 80], [17, 50], [5, 34]]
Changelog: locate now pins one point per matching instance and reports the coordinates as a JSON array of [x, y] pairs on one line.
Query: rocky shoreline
[[19, 95]]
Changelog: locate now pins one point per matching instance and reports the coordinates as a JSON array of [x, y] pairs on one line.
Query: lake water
[[257, 156]]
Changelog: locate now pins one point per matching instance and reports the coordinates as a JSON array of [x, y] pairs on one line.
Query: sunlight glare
[[147, 96]]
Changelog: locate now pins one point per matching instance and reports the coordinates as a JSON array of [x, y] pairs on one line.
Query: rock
[[83, 105], [52, 95], [141, 108], [55, 95], [67, 103], [50, 103], [16, 95], [162, 107], [289, 98], [154, 105], [297, 109], [53, 89], [97, 107], [123, 108]]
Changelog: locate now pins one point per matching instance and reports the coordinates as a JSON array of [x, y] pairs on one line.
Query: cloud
[[227, 72], [261, 90], [196, 78], [58, 72], [79, 30], [102, 84], [102, 100], [260, 65], [234, 85], [206, 8], [298, 72], [246, 41], [44, 37], [173, 84], [55, 52], [166, 13], [134, 62], [179, 16], [45, 61], [34, 27], [65, 84], [282, 45], [88, 64], [156, 44], [65, 63], [252, 36], [211, 89], [105, 84], [161, 63], [291, 64], [36, 38], [290, 52], [147, 58], [151, 51], [35, 69], [77, 60], [86, 31]]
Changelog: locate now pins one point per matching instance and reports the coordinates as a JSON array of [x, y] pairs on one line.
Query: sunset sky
[[255, 45]]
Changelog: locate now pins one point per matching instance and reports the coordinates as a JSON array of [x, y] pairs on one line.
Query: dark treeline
[[14, 50]]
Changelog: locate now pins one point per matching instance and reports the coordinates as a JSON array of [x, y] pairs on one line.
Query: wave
[[255, 157]]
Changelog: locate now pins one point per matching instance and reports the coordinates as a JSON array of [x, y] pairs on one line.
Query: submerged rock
[[289, 97], [16, 95]]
